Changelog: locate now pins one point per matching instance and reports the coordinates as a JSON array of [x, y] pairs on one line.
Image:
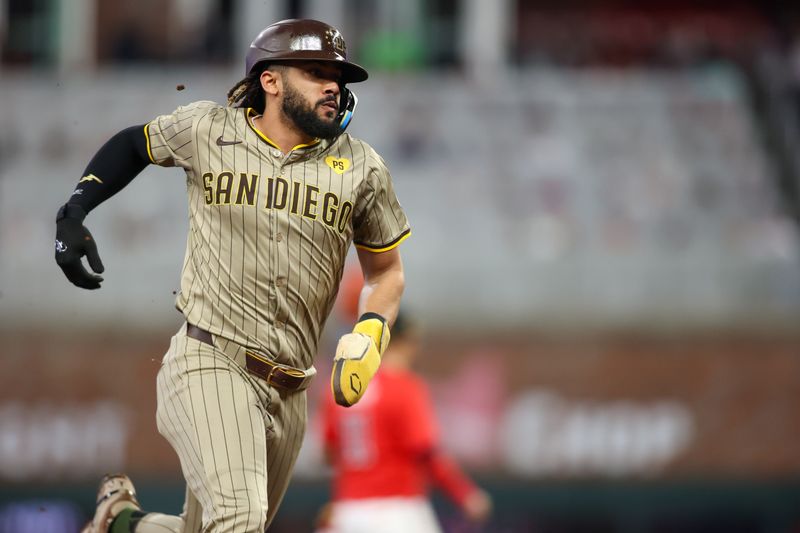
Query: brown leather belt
[[286, 377]]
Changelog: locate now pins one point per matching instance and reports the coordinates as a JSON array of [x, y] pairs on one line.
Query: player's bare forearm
[[358, 354], [384, 282]]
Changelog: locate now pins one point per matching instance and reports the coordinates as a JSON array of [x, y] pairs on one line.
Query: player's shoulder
[[361, 149], [406, 380], [200, 107], [416, 381], [205, 104]]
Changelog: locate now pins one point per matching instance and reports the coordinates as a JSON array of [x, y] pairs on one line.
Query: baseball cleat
[[114, 488]]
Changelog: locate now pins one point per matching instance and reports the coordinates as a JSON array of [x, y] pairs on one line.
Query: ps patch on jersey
[[338, 164]]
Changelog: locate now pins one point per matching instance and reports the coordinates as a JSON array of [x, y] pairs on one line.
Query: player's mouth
[[331, 104]]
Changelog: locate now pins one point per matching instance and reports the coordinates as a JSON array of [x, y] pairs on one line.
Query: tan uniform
[[268, 238]]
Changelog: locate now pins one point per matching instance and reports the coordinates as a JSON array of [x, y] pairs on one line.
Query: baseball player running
[[277, 193]]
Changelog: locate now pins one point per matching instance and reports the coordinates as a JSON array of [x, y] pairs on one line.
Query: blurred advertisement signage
[[62, 441], [543, 433], [531, 409]]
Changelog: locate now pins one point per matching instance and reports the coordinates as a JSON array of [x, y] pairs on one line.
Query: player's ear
[[271, 81]]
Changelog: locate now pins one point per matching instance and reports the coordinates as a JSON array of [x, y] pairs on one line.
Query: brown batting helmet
[[303, 40]]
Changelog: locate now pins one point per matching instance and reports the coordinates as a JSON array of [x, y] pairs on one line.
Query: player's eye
[[324, 74]]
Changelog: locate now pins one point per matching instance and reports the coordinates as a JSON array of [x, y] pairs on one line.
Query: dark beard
[[305, 117]]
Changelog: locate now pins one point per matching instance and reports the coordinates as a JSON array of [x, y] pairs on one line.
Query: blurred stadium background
[[605, 199]]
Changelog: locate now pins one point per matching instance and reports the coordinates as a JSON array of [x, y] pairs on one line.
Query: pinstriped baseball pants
[[237, 438]]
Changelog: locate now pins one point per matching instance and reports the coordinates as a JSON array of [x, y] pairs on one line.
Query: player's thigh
[[192, 514], [288, 413], [210, 414]]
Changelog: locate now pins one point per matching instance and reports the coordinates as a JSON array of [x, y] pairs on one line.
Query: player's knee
[[243, 516]]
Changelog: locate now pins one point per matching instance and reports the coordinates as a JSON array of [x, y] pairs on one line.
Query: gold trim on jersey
[[147, 139], [403, 236], [249, 118]]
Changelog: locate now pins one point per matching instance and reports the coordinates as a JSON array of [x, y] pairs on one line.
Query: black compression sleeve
[[117, 162]]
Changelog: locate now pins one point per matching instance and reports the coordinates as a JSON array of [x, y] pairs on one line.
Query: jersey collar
[[251, 113]]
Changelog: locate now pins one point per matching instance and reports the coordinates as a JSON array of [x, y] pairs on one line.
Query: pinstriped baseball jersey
[[269, 232]]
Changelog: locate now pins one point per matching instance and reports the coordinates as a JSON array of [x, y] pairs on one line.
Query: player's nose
[[331, 87]]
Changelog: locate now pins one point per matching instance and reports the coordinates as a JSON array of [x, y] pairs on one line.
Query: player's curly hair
[[248, 92]]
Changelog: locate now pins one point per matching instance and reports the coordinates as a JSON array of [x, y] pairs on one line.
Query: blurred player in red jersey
[[385, 453]]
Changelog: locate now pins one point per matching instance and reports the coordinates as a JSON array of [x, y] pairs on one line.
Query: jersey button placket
[[273, 232], [275, 235]]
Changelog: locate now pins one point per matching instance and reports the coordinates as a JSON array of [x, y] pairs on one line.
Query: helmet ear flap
[[347, 106]]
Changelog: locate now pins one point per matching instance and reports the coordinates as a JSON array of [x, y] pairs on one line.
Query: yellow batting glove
[[358, 356]]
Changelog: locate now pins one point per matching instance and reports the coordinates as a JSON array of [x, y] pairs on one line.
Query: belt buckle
[[272, 370]]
